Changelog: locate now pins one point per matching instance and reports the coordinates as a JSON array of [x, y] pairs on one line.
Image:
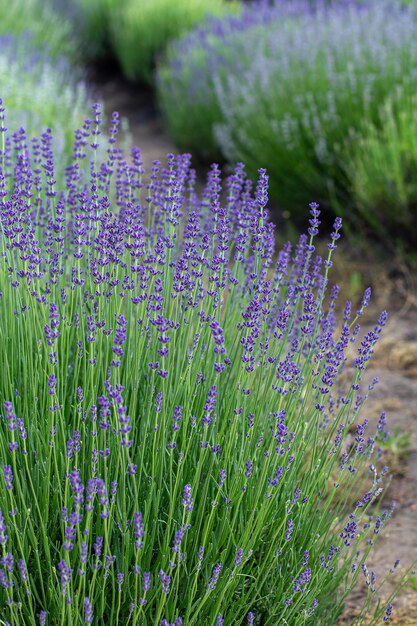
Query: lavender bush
[[93, 20], [41, 92], [293, 95], [197, 63], [141, 31], [380, 167], [38, 19], [136, 33], [177, 443]]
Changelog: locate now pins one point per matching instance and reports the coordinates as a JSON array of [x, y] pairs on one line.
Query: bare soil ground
[[395, 360], [135, 104]]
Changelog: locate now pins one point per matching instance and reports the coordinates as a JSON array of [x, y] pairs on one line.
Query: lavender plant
[[136, 34], [193, 67], [172, 405], [380, 167], [141, 31], [93, 20], [295, 94], [41, 92], [38, 19]]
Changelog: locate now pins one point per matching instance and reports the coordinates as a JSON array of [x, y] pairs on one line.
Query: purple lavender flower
[[290, 529], [23, 570], [314, 221], [302, 581], [83, 552], [138, 530], [200, 557], [394, 567], [349, 531], [22, 430], [77, 487], [65, 573], [210, 405], [52, 384], [3, 529], [8, 562], [388, 613], [88, 611], [238, 558], [102, 497], [8, 477], [187, 498], [249, 467], [179, 536], [313, 607], [165, 581], [70, 534], [177, 418], [10, 416], [222, 477], [98, 546], [215, 576], [173, 264], [146, 585]]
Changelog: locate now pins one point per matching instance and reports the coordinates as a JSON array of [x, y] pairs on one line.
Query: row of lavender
[[327, 102], [180, 432], [135, 34], [321, 93]]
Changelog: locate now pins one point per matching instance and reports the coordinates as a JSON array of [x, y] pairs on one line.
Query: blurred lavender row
[[294, 87]]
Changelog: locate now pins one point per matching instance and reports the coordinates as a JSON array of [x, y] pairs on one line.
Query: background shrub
[[174, 435], [41, 92], [142, 30], [292, 95], [186, 83], [382, 169], [136, 33], [37, 19], [93, 23]]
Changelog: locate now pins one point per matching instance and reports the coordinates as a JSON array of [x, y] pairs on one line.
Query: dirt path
[[134, 103], [394, 363]]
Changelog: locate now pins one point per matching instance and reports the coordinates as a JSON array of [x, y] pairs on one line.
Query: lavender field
[[200, 421]]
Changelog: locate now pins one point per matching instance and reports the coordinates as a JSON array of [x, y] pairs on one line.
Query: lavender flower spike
[[187, 498], [88, 611], [215, 576], [3, 529]]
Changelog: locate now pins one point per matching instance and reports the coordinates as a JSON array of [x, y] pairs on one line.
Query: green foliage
[[41, 93], [93, 23], [382, 168], [142, 30], [172, 408], [413, 582], [48, 29], [396, 447], [137, 32], [296, 91], [187, 79]]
